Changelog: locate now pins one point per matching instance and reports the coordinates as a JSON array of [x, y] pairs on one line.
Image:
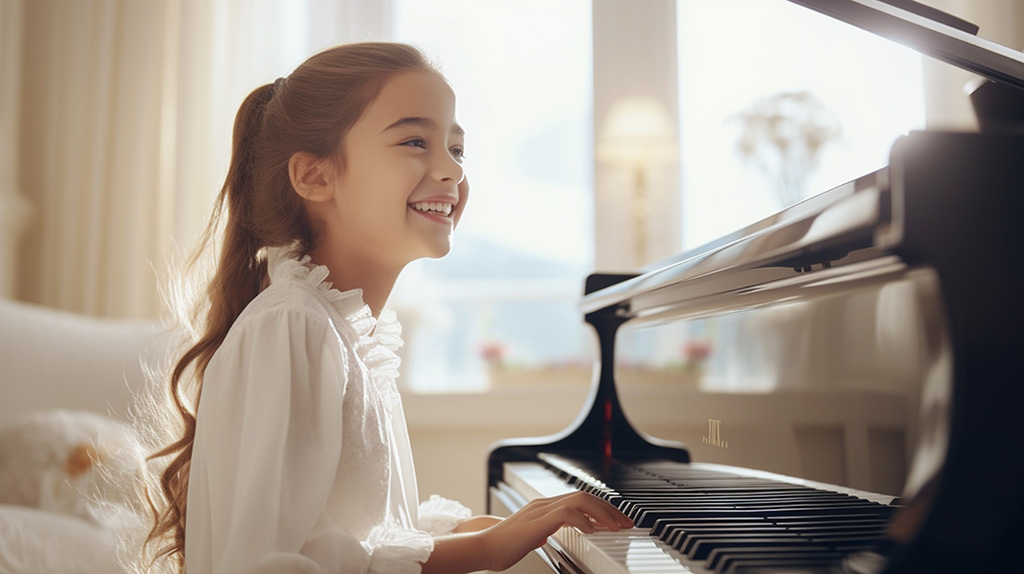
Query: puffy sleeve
[[439, 515], [266, 456]]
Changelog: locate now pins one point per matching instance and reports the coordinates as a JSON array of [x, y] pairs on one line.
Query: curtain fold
[[124, 126], [89, 105], [14, 208]]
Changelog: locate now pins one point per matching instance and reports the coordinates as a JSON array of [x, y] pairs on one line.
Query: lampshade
[[637, 133]]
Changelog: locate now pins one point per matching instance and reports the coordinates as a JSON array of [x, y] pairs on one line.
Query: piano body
[[942, 222]]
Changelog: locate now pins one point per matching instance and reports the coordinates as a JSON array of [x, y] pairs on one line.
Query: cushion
[[34, 541], [55, 359], [78, 463]]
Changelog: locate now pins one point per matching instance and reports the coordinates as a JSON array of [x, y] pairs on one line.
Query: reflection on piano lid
[[930, 32], [948, 206]]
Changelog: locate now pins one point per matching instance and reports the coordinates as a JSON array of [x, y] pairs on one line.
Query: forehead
[[419, 94]]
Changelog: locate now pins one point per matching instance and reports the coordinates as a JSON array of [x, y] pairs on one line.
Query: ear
[[311, 176]]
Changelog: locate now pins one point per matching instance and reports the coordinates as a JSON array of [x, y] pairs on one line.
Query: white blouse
[[301, 461]]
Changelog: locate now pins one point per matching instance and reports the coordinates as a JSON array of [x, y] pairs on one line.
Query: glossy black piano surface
[[937, 237]]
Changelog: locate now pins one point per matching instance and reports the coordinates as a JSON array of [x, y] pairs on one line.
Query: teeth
[[434, 207]]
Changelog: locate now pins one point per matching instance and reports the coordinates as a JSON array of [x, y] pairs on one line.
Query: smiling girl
[[297, 458]]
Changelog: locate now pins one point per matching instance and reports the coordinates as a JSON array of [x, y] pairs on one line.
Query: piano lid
[[940, 36], [843, 235]]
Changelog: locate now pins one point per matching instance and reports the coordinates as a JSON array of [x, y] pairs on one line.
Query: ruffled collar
[[377, 339]]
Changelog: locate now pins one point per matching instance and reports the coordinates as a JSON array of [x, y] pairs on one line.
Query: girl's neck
[[347, 271]]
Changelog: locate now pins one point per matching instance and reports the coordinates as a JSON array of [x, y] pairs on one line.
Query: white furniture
[[55, 360]]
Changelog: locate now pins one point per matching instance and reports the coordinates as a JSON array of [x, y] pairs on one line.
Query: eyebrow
[[424, 123]]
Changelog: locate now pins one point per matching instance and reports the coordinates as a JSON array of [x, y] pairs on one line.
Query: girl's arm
[[507, 541], [476, 524]]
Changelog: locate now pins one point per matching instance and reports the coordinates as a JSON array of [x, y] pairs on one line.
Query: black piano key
[[662, 526], [702, 547], [676, 535], [646, 517], [739, 504], [714, 513], [826, 526], [766, 497], [717, 555], [869, 517], [793, 566], [681, 538], [847, 539], [729, 562], [691, 544]]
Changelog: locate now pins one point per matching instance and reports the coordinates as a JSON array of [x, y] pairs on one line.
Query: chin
[[438, 249], [433, 252], [439, 253]]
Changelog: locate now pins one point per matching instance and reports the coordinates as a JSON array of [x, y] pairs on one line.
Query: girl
[[297, 458]]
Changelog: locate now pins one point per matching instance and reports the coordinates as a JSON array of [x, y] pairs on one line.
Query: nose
[[447, 169]]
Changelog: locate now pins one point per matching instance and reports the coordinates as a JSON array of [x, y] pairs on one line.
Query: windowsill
[[492, 408], [656, 404]]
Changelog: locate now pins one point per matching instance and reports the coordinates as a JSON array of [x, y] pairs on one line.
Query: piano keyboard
[[705, 518]]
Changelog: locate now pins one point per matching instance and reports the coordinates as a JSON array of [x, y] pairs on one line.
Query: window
[[853, 90], [502, 305], [735, 54]]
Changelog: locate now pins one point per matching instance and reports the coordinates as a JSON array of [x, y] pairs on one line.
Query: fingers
[[510, 539], [571, 517], [585, 511]]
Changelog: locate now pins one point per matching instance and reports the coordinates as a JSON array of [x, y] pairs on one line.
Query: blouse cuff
[[440, 515], [398, 550]]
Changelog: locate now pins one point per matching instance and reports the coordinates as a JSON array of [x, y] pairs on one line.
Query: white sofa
[[63, 378], [55, 359]]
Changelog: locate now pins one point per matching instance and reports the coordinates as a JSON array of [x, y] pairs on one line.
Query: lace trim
[[376, 339], [439, 515], [398, 550]]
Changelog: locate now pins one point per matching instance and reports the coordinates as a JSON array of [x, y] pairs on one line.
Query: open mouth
[[433, 208]]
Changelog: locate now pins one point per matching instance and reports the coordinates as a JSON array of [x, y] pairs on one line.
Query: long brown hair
[[311, 110]]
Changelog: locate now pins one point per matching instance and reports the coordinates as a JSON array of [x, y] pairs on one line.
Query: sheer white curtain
[[14, 210], [124, 115]]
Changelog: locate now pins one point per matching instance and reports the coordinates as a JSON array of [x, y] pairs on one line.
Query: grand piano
[[942, 225]]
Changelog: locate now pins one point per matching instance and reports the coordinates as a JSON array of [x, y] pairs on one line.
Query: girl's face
[[402, 189]]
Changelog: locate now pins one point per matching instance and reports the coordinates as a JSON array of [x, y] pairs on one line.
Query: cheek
[[463, 200]]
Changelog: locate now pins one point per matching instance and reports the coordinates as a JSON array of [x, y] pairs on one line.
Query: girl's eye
[[417, 142], [459, 153]]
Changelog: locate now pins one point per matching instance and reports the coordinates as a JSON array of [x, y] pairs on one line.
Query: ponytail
[[256, 208], [236, 282]]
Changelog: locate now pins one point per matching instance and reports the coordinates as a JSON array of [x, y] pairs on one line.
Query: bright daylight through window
[[502, 306], [765, 120], [777, 103]]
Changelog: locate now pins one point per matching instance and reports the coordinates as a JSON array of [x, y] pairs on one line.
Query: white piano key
[[633, 551]]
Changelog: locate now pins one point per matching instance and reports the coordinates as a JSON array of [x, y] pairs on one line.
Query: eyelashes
[[415, 142], [458, 152]]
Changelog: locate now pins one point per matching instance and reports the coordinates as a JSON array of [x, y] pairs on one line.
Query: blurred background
[[116, 130], [602, 135]]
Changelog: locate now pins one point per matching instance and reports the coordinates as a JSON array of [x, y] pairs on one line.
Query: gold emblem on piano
[[714, 437]]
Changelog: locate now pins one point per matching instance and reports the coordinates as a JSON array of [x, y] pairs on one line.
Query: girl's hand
[[508, 541], [503, 542]]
